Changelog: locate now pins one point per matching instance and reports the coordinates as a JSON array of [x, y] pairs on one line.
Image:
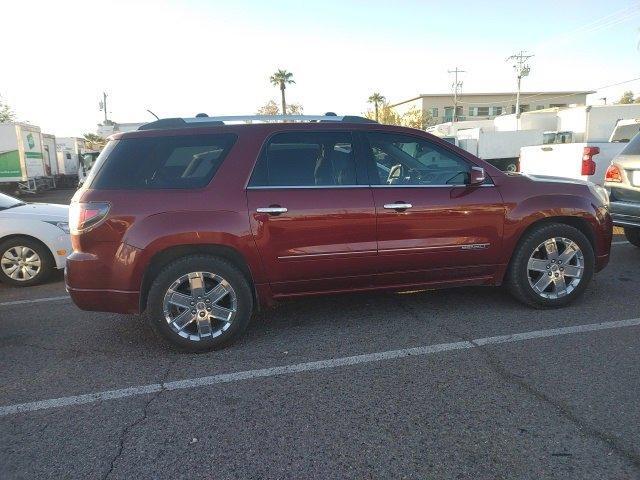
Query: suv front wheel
[[551, 266], [200, 303]]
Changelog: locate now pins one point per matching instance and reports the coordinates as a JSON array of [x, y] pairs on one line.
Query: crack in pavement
[[138, 421], [615, 443]]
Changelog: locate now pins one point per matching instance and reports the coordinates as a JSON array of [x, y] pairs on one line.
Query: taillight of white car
[[613, 174], [84, 216]]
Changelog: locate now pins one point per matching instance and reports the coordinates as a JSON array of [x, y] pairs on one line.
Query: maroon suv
[[199, 223]]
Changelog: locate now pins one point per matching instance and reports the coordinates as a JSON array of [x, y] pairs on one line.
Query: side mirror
[[476, 176]]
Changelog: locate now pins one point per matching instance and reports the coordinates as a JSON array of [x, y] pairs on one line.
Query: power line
[[607, 21], [552, 98]]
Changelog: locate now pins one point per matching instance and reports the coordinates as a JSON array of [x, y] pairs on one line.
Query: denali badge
[[475, 246]]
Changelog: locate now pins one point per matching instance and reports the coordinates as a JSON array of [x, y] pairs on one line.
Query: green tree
[[271, 108], [384, 114], [416, 118], [281, 79], [627, 97], [6, 113], [377, 99], [93, 141]]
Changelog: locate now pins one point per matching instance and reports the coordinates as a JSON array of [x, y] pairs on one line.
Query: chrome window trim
[[302, 187], [434, 186]]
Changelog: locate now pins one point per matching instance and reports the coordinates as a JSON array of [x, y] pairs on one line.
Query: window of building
[[495, 111], [540, 107], [433, 111], [478, 111], [306, 159], [448, 113], [407, 160], [523, 108]]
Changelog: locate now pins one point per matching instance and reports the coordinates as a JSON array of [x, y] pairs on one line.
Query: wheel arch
[[579, 223], [33, 239], [164, 257]]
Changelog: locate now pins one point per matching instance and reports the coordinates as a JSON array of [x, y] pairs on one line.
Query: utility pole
[[456, 86], [521, 66], [103, 107]]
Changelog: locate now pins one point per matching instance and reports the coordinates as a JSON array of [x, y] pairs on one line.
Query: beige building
[[480, 106]]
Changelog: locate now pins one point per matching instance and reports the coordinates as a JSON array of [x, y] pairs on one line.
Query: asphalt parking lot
[[412, 385]]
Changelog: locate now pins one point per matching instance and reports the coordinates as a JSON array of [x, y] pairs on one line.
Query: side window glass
[[406, 160], [306, 159]]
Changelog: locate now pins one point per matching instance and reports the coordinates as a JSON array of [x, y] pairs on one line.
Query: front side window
[[306, 159], [407, 160]]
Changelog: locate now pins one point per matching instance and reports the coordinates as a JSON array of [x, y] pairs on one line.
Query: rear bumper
[[91, 286], [106, 300], [625, 214]]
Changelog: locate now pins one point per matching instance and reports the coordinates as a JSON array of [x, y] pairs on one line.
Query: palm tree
[[281, 79], [376, 99]]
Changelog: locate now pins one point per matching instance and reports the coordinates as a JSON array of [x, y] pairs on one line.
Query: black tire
[[200, 263], [517, 280], [633, 235], [46, 261]]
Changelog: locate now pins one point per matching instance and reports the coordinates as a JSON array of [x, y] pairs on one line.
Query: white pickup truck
[[585, 160]]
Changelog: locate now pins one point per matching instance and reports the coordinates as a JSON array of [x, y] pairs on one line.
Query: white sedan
[[34, 240]]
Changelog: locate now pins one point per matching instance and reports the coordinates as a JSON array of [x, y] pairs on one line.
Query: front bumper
[[61, 249], [625, 214]]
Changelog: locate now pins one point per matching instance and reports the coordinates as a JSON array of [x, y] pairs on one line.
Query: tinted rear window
[[186, 161]]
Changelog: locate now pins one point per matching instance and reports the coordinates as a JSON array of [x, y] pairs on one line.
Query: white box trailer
[[50, 154], [69, 150], [21, 158], [500, 148], [594, 123]]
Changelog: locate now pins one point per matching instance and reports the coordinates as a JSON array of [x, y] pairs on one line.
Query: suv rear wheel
[[633, 235], [551, 267], [200, 303]]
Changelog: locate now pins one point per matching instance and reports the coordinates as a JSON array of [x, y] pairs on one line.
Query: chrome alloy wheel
[[555, 267], [20, 263], [200, 305]]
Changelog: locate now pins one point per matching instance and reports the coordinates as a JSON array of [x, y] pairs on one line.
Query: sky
[[179, 58]]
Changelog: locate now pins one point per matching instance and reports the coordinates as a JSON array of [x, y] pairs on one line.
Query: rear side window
[[306, 159], [181, 162]]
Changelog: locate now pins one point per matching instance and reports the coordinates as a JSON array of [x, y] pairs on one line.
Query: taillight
[[588, 165], [613, 174], [83, 216]]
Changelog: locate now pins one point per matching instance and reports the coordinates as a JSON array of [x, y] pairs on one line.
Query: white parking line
[[35, 300], [622, 242], [307, 367]]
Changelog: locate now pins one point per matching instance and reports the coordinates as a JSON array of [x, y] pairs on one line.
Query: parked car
[[34, 240], [587, 160], [623, 182], [199, 223]]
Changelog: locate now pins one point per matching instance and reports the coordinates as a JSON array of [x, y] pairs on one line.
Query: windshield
[[8, 202]]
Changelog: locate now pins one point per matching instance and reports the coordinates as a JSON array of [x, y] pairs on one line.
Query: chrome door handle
[[272, 210], [397, 206]]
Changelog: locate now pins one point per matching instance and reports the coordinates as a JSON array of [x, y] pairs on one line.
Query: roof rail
[[202, 121]]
